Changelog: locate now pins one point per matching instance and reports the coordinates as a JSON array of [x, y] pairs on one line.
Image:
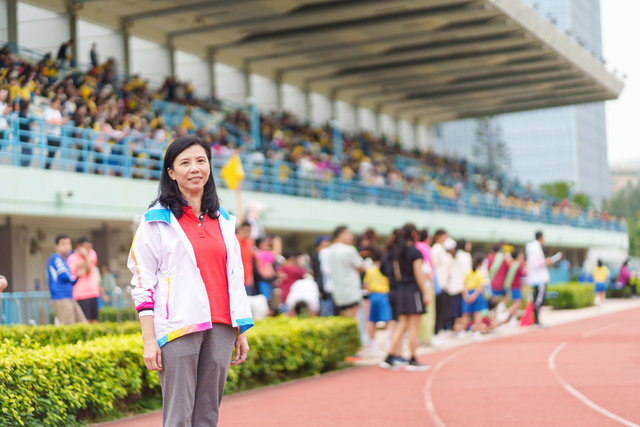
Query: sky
[[621, 38]]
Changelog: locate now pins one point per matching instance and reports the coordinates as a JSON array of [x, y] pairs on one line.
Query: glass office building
[[557, 144]]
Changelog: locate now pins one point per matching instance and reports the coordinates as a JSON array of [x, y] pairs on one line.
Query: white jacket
[[537, 272], [167, 282]]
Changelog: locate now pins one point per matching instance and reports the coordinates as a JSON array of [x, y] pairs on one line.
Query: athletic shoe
[[390, 363], [415, 366], [401, 360], [436, 341], [477, 336], [461, 335]]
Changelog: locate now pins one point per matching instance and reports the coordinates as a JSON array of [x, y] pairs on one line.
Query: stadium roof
[[422, 60]]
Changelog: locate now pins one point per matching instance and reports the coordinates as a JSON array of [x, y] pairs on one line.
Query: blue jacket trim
[[244, 324], [163, 215], [224, 213], [162, 341]]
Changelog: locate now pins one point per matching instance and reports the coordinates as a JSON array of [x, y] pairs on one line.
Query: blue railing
[[34, 308], [88, 151]]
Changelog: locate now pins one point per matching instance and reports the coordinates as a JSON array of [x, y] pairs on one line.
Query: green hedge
[[285, 348], [110, 314], [36, 336], [56, 385], [59, 385], [571, 295]]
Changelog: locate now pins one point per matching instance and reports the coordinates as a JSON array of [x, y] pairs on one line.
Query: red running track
[[585, 373]]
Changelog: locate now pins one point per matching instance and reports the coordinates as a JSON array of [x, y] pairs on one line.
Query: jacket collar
[[159, 213]]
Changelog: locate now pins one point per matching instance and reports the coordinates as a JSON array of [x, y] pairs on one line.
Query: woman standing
[[189, 287], [411, 296], [461, 266]]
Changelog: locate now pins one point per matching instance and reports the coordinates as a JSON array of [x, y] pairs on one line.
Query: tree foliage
[[561, 190], [490, 149], [558, 190], [626, 203]]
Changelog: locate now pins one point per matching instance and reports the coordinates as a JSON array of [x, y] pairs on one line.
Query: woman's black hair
[[169, 193], [599, 263], [478, 259], [460, 246], [403, 239]]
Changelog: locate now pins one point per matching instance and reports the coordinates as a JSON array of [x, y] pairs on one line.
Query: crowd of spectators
[[112, 108]]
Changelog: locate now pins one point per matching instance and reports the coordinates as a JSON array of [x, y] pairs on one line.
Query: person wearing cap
[[87, 289]]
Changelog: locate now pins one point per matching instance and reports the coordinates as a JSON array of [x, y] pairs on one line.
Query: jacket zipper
[[168, 293]]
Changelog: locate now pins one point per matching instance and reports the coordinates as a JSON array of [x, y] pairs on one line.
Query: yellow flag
[[232, 172]]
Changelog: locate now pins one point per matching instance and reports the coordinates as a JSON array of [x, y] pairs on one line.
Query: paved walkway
[[581, 371]]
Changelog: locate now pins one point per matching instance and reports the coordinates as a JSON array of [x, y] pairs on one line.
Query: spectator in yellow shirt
[[380, 311], [601, 279], [473, 300]]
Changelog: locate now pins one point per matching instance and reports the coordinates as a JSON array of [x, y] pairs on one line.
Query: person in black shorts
[[411, 297]]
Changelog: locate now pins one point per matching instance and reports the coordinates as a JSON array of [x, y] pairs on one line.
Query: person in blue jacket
[[61, 283]]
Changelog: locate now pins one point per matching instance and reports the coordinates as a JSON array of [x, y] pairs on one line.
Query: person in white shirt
[[345, 266], [303, 294], [462, 264], [442, 261], [53, 128], [537, 272]]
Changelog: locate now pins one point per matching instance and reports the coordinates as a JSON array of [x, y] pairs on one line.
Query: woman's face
[[191, 170]]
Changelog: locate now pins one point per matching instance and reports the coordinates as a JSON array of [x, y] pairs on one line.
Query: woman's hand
[[426, 297], [242, 350], [152, 355]]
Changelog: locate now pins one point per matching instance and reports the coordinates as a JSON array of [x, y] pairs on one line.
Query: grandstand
[[311, 176]]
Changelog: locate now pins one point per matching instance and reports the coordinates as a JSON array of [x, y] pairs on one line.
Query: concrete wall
[[108, 41], [230, 83], [193, 68], [149, 59], [265, 90], [40, 29], [4, 35], [102, 198]]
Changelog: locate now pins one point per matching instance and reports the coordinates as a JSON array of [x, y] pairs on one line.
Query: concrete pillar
[[13, 256], [398, 127], [172, 57], [107, 242], [211, 67], [307, 102], [431, 137], [416, 134], [356, 116], [279, 100], [247, 79], [12, 23], [334, 105], [73, 29], [124, 29], [378, 120]]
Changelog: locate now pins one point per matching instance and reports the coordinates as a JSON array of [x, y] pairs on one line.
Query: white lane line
[[595, 331], [581, 397], [428, 402]]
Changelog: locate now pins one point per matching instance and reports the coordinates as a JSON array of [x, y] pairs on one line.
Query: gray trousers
[[194, 371]]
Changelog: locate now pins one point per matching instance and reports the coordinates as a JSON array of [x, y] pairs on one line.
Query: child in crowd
[[473, 301], [601, 279], [513, 282], [378, 286]]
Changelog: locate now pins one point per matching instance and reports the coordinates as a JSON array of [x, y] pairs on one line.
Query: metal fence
[[34, 308]]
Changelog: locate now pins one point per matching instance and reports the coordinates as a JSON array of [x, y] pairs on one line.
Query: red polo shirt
[[211, 257]]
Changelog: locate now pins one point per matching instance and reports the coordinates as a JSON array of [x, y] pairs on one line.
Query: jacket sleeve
[[63, 272], [239, 300], [143, 263]]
